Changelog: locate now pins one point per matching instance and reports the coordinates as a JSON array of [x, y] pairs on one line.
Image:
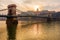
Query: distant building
[[46, 13], [56, 16]]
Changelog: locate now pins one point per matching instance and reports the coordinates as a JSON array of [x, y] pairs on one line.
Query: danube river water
[[33, 30]]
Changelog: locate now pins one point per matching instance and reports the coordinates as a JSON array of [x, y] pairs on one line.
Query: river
[[33, 31]]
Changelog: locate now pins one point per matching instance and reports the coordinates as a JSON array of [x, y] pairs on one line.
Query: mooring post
[[11, 22]]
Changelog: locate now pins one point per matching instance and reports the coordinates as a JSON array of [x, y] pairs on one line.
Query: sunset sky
[[25, 5]]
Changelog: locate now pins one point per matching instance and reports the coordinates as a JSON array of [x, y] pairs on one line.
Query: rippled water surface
[[33, 30]]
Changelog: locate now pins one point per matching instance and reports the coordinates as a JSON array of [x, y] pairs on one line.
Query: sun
[[39, 7], [36, 7]]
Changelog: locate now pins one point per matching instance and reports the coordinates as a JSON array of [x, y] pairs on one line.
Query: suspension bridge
[[30, 17], [12, 20], [19, 16], [29, 20]]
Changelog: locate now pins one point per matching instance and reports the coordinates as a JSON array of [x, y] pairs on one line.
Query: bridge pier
[[11, 22]]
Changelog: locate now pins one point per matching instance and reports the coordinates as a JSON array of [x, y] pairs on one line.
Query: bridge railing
[[22, 16]]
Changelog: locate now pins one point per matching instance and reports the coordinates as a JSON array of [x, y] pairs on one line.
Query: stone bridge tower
[[11, 22]]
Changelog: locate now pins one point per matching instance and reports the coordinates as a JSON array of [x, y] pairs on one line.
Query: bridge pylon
[[11, 22]]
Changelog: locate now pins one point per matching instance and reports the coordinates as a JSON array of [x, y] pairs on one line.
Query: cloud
[[28, 4]]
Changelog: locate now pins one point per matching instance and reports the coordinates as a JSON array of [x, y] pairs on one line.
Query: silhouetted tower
[[11, 22], [37, 11]]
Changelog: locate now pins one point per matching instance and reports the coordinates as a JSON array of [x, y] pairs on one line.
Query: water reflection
[[33, 31]]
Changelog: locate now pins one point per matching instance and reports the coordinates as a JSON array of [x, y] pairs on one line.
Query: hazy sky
[[25, 5]]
